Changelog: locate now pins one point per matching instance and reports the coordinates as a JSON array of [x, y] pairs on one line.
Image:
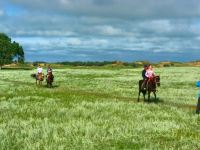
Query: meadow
[[97, 108]]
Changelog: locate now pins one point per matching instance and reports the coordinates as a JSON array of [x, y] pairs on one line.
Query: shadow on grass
[[52, 87], [171, 104], [44, 84], [153, 100]]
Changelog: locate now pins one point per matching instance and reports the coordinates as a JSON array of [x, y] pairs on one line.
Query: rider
[[49, 71], [144, 72], [149, 74], [39, 70]]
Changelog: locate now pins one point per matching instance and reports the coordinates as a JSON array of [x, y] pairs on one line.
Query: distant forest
[[118, 63]]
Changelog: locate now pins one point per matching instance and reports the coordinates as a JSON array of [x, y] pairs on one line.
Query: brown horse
[[38, 77], [150, 87], [49, 79]]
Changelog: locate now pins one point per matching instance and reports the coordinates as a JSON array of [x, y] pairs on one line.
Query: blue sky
[[98, 30]]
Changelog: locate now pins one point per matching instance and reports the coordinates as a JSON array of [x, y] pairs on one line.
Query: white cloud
[[2, 12], [118, 8], [40, 33], [108, 30], [125, 25], [73, 42], [36, 43]]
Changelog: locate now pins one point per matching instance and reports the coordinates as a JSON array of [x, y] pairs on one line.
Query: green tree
[[10, 51]]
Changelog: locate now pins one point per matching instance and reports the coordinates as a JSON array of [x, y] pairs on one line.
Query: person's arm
[[147, 74]]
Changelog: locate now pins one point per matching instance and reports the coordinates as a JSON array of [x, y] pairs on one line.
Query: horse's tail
[[33, 75]]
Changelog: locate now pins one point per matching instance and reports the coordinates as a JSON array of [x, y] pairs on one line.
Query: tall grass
[[98, 109]]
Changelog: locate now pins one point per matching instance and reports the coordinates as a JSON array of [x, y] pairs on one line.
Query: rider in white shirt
[[39, 70]]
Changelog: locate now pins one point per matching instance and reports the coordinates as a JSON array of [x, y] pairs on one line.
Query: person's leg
[[147, 82], [143, 84]]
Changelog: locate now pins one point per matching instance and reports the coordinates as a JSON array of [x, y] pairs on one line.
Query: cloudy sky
[[98, 30]]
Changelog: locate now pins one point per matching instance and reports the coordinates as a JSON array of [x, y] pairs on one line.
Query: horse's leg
[[139, 83], [144, 93], [154, 95], [139, 95], [48, 83], [149, 96]]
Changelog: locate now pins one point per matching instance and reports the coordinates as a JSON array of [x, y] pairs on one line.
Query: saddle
[[146, 82]]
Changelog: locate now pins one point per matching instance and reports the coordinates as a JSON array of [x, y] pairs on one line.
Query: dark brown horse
[[150, 87], [49, 79]]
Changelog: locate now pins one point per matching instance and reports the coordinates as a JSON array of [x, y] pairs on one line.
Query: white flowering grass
[[98, 109]]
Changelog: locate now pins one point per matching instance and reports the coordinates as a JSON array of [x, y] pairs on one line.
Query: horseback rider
[[144, 76], [50, 72], [144, 72], [49, 69], [149, 74], [39, 70]]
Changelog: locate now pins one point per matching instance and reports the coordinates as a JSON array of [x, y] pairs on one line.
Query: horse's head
[[157, 80]]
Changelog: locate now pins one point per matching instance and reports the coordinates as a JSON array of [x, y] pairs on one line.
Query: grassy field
[[98, 109]]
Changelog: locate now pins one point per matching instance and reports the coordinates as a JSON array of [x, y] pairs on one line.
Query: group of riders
[[147, 75], [40, 72]]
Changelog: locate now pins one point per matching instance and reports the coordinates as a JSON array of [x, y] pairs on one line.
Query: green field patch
[[98, 109], [87, 76]]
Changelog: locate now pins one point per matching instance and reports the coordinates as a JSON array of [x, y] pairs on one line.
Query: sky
[[104, 30]]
